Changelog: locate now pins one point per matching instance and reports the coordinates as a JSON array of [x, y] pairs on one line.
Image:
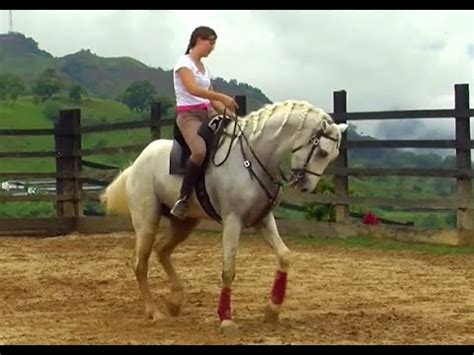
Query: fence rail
[[400, 172], [408, 144], [403, 114]]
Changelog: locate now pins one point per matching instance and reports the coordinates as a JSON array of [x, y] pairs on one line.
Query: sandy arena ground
[[81, 289]]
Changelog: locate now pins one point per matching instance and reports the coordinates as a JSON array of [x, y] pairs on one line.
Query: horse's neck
[[273, 141]]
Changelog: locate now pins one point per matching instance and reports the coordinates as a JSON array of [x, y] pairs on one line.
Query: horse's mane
[[258, 119]]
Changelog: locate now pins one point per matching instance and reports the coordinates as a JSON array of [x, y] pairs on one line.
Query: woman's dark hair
[[202, 32]]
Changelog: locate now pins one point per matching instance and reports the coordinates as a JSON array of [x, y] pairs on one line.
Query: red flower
[[370, 218]]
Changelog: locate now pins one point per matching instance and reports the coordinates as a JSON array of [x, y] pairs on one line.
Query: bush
[[51, 110], [322, 212], [325, 212], [93, 209], [430, 221], [451, 219]]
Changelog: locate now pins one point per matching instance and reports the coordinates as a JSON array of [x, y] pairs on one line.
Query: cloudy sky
[[385, 60]]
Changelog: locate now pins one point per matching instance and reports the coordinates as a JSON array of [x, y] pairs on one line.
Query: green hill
[[103, 77]]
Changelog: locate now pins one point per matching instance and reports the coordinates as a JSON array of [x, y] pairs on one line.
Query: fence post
[[341, 183], [463, 155], [242, 102], [155, 118], [68, 165]]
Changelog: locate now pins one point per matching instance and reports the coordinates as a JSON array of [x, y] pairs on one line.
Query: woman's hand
[[229, 102]]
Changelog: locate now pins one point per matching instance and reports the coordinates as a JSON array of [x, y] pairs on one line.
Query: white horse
[[243, 188]]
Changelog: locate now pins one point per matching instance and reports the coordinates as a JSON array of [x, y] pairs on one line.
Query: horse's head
[[310, 157]]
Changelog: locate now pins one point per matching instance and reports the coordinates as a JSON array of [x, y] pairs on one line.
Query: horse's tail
[[115, 198]]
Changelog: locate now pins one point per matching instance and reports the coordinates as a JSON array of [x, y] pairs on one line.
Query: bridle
[[298, 173], [248, 164]]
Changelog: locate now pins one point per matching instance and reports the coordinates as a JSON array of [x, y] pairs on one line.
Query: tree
[[168, 106], [17, 87], [3, 87], [75, 93], [47, 84], [138, 95], [11, 86]]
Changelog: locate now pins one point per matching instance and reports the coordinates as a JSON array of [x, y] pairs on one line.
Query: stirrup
[[180, 208]]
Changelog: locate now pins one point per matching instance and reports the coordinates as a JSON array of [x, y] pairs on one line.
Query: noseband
[[298, 173]]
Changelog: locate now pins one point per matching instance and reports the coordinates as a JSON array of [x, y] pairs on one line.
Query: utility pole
[[11, 21]]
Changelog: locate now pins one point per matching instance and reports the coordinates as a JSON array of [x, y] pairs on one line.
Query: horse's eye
[[323, 153]]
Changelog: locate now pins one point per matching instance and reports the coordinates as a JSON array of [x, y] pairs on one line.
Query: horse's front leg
[[269, 230], [230, 243]]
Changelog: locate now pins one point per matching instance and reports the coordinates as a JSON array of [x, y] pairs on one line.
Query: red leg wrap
[[224, 305], [279, 288]]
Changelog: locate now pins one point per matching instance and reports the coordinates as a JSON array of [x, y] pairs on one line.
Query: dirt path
[[82, 290]]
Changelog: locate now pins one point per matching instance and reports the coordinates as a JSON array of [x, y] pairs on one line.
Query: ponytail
[[189, 46], [200, 32]]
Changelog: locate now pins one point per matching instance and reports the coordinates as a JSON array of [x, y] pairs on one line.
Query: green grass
[[406, 187], [22, 114], [286, 213], [25, 114], [367, 242], [409, 188], [27, 209]]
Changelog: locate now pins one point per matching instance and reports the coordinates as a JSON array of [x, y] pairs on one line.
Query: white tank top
[[183, 97]]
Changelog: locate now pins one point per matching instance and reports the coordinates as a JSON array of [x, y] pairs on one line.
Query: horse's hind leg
[[178, 232], [268, 229], [145, 219]]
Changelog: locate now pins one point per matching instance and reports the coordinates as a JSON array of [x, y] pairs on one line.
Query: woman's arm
[[220, 107], [189, 83]]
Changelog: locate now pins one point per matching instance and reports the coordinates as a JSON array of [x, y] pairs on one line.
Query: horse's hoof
[[229, 328], [157, 316], [173, 303], [271, 314], [173, 308], [154, 315]]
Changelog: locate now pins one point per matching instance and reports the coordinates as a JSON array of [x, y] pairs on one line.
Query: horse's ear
[[324, 126], [343, 126]]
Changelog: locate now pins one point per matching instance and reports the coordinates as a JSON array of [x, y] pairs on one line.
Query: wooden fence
[[71, 159]]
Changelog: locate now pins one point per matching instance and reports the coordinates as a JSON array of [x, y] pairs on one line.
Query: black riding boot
[[190, 177]]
